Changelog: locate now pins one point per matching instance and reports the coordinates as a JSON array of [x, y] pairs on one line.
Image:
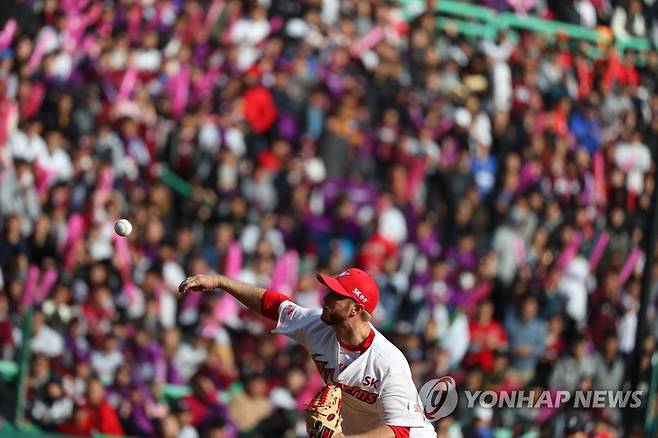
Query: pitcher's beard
[[328, 317]]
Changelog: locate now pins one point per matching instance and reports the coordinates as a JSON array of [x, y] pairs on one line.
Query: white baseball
[[123, 227]]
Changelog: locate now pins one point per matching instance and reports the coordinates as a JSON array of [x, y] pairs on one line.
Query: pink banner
[[192, 300], [598, 251], [75, 29], [45, 177], [74, 232], [46, 38], [370, 40], [278, 280], [209, 330], [415, 177], [7, 34], [233, 260], [68, 5], [130, 290], [104, 188], [94, 14], [106, 179], [227, 307], [203, 86], [292, 270], [122, 252], [284, 278], [48, 280], [599, 177], [214, 11], [82, 4], [128, 83], [628, 267], [29, 289], [123, 256], [180, 89], [570, 251]]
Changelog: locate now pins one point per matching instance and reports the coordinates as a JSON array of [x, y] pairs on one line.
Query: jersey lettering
[[358, 393], [370, 381], [327, 374]]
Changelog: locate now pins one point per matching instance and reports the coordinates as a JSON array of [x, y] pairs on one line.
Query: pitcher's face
[[336, 308]]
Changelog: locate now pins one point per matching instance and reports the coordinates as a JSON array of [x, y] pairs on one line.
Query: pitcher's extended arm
[[249, 295]]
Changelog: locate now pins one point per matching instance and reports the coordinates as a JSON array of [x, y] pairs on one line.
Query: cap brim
[[334, 285]]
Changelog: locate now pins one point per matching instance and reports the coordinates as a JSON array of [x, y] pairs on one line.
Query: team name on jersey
[[358, 393], [326, 373], [353, 390]]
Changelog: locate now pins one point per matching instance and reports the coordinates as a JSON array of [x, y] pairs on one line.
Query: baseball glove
[[323, 413]]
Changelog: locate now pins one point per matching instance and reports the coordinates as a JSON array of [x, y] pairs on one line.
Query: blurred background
[[491, 163]]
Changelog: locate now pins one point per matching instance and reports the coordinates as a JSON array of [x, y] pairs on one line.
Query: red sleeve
[[269, 306], [400, 431]]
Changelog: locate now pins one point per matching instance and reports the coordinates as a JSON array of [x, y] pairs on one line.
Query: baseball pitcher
[[369, 391]]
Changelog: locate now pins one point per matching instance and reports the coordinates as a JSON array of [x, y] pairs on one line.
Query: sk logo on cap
[[360, 295]]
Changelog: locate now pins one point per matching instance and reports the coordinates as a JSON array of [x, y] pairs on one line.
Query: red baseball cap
[[356, 284]]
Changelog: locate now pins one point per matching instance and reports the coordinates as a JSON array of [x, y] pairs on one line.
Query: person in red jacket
[[487, 336], [102, 416]]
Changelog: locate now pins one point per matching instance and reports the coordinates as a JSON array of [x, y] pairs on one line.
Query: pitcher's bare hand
[[198, 283]]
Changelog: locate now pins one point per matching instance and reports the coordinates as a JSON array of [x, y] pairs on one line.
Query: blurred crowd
[[497, 190]]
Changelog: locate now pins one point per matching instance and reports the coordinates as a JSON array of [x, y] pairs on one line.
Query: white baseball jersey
[[377, 386]]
